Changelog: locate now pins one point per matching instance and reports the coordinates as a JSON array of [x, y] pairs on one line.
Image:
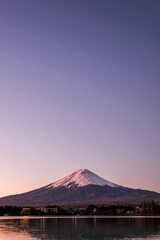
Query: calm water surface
[[81, 228]]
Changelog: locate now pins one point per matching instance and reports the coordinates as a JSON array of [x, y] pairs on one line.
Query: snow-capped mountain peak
[[75, 192], [81, 178]]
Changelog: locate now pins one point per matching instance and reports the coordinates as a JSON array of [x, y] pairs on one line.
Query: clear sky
[[79, 88]]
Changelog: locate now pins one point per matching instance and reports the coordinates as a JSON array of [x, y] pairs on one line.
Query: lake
[[81, 228]]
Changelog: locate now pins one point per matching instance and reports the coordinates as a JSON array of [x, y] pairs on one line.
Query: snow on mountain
[[81, 178]]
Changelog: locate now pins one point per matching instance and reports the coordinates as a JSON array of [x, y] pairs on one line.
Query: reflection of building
[[24, 222], [26, 210]]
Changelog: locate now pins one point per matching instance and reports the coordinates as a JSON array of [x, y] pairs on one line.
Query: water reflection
[[79, 228]]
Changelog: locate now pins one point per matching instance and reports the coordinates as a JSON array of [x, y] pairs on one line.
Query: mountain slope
[[80, 187], [81, 178]]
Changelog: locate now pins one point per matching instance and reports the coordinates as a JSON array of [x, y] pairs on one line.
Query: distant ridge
[[80, 187]]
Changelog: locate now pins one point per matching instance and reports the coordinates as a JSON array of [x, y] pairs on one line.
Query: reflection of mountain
[[82, 228], [9, 230], [80, 187]]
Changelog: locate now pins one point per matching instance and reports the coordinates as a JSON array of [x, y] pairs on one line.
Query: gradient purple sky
[[79, 88]]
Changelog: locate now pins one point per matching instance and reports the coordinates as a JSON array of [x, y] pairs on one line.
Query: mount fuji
[[81, 178], [80, 187]]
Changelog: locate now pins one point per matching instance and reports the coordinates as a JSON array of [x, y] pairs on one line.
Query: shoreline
[[72, 217]]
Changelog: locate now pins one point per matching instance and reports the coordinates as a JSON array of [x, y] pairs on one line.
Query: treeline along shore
[[143, 209]]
